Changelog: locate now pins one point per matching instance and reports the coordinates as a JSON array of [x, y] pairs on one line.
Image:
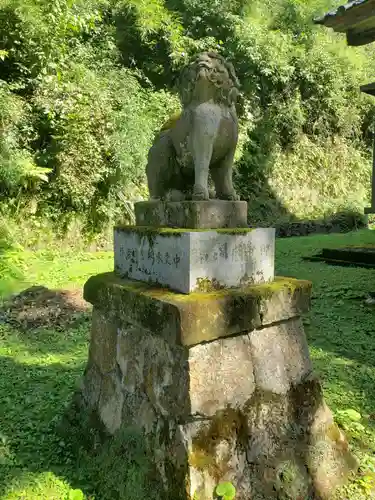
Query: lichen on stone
[[172, 231], [206, 285]]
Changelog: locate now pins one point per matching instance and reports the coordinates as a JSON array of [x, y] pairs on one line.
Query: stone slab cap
[[188, 260], [198, 317], [210, 214]]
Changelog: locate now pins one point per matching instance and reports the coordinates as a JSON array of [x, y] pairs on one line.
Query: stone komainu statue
[[202, 139]]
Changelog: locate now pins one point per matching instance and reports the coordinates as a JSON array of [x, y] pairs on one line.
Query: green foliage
[[226, 491], [11, 260], [75, 495], [309, 117], [16, 161], [85, 84], [99, 127]]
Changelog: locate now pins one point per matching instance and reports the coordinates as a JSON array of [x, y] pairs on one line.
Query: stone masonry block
[[189, 261], [198, 317], [210, 214], [103, 341], [91, 385], [147, 361], [280, 356], [111, 402], [220, 375]]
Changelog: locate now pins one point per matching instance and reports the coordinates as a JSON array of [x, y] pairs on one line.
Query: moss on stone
[[265, 290], [234, 230], [200, 316], [333, 432], [207, 285], [201, 460], [172, 231], [152, 231], [227, 426]]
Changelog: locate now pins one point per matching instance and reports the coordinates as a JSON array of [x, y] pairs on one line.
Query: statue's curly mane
[[223, 84]]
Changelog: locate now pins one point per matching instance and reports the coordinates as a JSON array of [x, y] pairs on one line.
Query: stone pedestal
[[219, 384], [199, 349]]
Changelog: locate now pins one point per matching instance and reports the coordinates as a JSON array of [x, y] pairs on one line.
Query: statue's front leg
[[206, 124], [222, 176]]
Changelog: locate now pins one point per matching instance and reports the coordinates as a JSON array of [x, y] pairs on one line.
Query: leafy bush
[[11, 268], [97, 130], [15, 160]]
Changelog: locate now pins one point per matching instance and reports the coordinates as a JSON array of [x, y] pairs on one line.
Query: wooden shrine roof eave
[[369, 88], [356, 19]]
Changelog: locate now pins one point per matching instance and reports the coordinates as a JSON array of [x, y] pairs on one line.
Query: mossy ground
[[39, 370]]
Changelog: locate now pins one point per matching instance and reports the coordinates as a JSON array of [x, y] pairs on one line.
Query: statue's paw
[[200, 193], [233, 196], [175, 195]]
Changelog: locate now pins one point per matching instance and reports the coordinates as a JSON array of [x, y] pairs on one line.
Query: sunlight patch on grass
[[36, 486]]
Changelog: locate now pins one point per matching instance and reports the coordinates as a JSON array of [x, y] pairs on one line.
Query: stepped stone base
[[189, 261], [220, 385], [210, 214]]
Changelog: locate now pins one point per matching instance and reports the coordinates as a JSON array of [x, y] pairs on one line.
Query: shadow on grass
[[33, 399], [344, 326]]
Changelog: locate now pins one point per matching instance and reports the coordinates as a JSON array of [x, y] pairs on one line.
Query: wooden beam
[[357, 38], [369, 88], [346, 18]]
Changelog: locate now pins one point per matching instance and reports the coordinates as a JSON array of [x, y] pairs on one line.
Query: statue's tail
[[171, 121]]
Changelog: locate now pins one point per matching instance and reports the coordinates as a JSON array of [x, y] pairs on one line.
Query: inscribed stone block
[[189, 261]]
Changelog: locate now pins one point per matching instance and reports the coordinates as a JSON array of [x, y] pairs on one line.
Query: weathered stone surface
[[189, 261], [220, 375], [103, 341], [287, 304], [214, 454], [148, 361], [266, 443], [199, 317], [329, 458], [110, 402], [280, 356], [91, 386], [211, 214], [268, 420], [291, 480], [244, 408]]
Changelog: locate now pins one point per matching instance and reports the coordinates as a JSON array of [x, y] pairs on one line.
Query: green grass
[[40, 368]]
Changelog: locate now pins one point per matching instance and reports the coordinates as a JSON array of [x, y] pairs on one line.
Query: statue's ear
[[233, 95]]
